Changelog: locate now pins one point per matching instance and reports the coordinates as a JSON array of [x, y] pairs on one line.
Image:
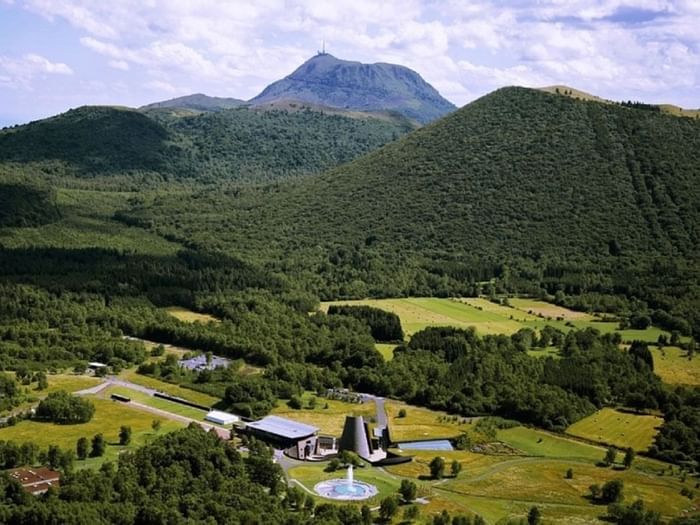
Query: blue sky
[[58, 54]]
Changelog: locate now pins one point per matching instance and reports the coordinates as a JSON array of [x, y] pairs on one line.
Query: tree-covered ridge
[[242, 144], [91, 139], [251, 145]]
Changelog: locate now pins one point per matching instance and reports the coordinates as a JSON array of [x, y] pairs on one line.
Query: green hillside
[[22, 205], [537, 190], [250, 145], [90, 140], [232, 144]]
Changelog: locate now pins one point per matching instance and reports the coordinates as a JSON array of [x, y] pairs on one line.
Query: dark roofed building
[[36, 480], [297, 439]]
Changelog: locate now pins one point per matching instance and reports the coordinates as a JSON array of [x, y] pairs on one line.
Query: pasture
[[620, 429], [672, 365]]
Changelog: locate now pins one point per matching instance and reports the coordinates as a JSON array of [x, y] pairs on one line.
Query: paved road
[[115, 381]]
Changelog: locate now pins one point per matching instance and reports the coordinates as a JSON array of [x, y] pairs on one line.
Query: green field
[[534, 442], [499, 487], [672, 365], [109, 417], [422, 423], [489, 318], [621, 429]]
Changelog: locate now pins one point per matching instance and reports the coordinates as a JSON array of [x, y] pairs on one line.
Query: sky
[[60, 54]]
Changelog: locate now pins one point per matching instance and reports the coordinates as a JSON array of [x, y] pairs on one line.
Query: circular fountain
[[345, 489]]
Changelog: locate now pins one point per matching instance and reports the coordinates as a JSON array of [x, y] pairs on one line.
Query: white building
[[221, 418]]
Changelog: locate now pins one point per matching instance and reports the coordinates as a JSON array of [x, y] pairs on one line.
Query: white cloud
[[464, 48], [119, 64], [19, 72], [161, 86]]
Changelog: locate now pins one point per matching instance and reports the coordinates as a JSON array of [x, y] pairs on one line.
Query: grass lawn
[[188, 316], [309, 475], [329, 420], [174, 390], [611, 427], [387, 351], [109, 417], [422, 423], [674, 368], [536, 442], [68, 382]]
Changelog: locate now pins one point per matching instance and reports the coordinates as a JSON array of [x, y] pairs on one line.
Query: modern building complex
[[297, 439]]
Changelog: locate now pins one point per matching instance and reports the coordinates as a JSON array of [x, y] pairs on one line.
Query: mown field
[[620, 429], [417, 313]]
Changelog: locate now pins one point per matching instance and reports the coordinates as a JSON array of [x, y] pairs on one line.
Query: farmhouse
[[36, 480], [221, 418], [297, 439]]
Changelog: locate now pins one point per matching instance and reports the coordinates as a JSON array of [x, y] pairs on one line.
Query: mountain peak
[[327, 80]]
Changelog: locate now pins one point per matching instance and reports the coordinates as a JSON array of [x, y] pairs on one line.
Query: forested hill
[[543, 192], [233, 144], [519, 172], [326, 80]]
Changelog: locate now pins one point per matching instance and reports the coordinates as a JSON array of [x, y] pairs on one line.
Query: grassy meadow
[[499, 487], [620, 429]]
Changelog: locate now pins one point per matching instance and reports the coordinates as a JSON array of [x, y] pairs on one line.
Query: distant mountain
[[329, 81], [197, 102]]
